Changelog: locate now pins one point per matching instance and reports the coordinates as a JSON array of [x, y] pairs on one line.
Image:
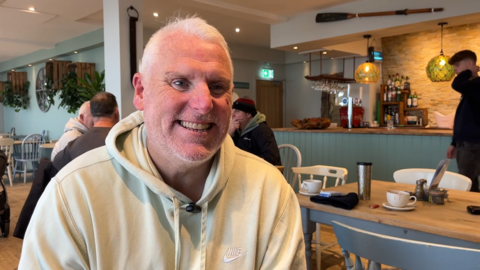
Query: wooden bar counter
[[388, 149], [378, 130]]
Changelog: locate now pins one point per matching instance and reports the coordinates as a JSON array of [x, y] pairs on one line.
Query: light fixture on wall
[[367, 72], [438, 69]]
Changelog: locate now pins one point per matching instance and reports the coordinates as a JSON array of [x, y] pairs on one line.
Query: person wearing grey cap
[[251, 133]]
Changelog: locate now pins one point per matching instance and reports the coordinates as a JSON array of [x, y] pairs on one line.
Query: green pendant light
[[367, 72], [438, 69]]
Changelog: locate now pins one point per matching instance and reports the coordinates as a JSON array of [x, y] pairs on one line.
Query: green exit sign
[[267, 73]]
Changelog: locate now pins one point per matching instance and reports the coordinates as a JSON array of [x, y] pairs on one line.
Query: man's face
[[86, 117], [463, 65], [186, 99], [241, 117]]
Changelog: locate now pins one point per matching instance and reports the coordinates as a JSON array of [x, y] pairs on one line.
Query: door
[[270, 102]]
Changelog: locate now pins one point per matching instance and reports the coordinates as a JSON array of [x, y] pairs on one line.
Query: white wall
[[250, 71]]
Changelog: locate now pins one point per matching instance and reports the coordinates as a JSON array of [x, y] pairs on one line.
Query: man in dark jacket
[[104, 110], [251, 133], [465, 144]]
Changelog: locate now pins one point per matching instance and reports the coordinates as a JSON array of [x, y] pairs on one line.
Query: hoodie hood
[[74, 124], [256, 120]]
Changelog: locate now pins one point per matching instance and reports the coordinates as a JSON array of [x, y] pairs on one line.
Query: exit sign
[[267, 73]]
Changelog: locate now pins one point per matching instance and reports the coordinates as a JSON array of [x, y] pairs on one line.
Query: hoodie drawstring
[[176, 218], [203, 242]]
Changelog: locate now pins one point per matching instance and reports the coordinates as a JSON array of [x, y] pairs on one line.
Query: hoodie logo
[[247, 139], [232, 254]]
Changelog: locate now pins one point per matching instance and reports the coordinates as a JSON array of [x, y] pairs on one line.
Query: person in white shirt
[[170, 190], [74, 128]]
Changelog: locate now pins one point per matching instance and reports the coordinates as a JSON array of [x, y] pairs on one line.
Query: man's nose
[[201, 100]]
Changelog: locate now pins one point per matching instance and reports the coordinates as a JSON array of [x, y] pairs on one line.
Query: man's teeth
[[194, 125]]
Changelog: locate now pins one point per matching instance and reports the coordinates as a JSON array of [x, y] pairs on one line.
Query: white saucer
[[405, 208], [305, 193]]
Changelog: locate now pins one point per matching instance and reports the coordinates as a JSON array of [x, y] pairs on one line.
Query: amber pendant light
[[367, 72], [438, 69]]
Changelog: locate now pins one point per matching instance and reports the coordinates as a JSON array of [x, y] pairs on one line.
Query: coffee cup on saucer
[[399, 198], [312, 186]]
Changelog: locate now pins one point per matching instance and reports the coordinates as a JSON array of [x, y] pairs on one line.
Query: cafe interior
[[374, 73]]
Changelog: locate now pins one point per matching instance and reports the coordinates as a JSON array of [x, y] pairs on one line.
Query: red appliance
[[357, 116]]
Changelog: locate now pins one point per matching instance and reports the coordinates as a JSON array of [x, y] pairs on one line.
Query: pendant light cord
[[441, 43]]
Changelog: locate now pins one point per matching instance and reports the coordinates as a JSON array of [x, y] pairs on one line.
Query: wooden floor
[[11, 247]]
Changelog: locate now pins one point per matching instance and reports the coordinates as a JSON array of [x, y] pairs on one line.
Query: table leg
[[308, 229]]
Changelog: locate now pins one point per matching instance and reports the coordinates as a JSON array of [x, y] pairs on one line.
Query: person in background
[[74, 128], [250, 132], [104, 112], [465, 146], [170, 190]]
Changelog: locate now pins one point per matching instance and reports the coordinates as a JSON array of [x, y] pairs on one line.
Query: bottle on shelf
[[406, 84], [397, 81], [401, 82], [394, 94], [409, 101], [385, 94], [399, 94], [415, 100], [389, 95], [397, 119], [389, 80]]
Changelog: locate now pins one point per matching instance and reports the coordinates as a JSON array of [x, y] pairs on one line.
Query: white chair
[[6, 145], [290, 157], [450, 180], [381, 249], [341, 175], [30, 152]]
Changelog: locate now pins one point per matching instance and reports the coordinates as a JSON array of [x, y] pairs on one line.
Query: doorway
[[270, 102]]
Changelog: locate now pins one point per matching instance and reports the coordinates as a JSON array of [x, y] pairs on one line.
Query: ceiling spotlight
[[304, 62], [295, 47], [29, 65], [237, 30], [75, 52], [13, 69], [324, 52], [32, 9], [155, 14], [50, 59]]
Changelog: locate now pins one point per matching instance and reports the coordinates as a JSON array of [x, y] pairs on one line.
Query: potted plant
[[17, 101], [88, 87], [69, 95]]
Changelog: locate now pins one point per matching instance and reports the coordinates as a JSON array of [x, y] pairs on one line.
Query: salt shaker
[[419, 190]]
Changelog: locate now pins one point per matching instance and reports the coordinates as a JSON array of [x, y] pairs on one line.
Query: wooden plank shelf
[[56, 70]]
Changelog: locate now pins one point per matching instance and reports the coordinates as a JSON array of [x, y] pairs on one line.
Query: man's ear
[[139, 90]]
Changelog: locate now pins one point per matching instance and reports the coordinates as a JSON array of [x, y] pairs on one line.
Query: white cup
[[312, 186], [399, 198]]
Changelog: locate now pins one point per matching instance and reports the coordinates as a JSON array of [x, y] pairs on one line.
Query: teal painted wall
[[33, 120], [388, 153]]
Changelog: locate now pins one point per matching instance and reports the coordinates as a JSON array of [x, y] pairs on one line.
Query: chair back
[[340, 174], [5, 135], [450, 180], [401, 253], [290, 157], [31, 147], [6, 145]]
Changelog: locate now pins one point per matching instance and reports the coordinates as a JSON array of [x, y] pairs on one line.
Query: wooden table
[[47, 145], [448, 224]]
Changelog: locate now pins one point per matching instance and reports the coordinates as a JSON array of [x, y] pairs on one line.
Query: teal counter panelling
[[388, 153]]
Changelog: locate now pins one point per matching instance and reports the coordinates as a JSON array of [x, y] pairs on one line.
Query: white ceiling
[[54, 21]]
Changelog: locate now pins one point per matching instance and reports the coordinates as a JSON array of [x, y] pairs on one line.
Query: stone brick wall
[[409, 54]]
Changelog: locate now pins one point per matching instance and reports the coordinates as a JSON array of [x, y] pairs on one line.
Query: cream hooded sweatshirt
[[110, 209]]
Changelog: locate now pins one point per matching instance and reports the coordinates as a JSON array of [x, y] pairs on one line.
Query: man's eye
[[180, 84], [217, 89]]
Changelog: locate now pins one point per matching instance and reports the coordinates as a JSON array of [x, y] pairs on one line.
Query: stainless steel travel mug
[[364, 175]]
